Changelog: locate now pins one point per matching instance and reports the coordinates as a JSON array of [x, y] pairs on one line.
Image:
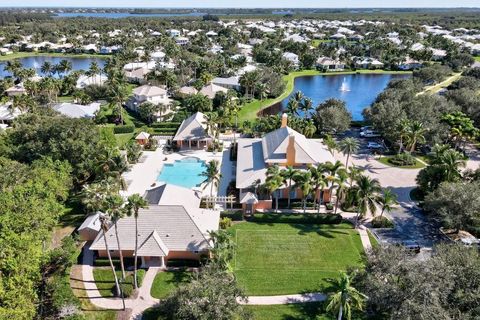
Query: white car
[[374, 145], [369, 134]]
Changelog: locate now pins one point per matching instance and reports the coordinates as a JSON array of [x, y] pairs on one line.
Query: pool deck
[[143, 175]]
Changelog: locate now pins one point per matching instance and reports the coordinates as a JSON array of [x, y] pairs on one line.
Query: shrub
[[402, 159], [296, 218], [123, 129], [169, 125], [382, 222], [225, 223], [232, 215]]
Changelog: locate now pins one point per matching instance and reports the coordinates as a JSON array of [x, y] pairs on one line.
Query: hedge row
[[296, 218], [173, 125], [123, 129]]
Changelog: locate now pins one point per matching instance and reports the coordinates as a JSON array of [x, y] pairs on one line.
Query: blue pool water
[[185, 173]]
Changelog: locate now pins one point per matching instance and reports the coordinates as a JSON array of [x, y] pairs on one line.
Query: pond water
[[357, 90], [36, 62], [120, 15]]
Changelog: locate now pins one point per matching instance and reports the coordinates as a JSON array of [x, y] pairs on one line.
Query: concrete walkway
[[285, 299], [139, 304]]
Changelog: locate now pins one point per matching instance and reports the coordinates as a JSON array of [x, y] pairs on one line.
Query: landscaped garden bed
[[287, 258]]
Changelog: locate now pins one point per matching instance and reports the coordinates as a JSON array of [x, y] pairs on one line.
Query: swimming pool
[[185, 173]]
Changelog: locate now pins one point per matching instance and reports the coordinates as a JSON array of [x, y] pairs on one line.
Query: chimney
[[291, 150], [284, 120]]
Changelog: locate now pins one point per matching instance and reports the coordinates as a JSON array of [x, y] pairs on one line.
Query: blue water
[[362, 90], [185, 173], [36, 62], [120, 15]]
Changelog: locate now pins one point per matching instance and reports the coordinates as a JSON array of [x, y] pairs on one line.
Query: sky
[[243, 3]]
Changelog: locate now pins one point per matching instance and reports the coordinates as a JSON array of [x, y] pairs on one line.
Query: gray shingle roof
[[169, 194], [173, 225], [192, 128]]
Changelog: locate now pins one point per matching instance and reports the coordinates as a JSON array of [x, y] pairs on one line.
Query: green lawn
[[165, 282], [304, 311], [417, 165], [123, 139], [373, 240], [249, 111], [18, 55], [477, 58], [280, 258], [105, 283]]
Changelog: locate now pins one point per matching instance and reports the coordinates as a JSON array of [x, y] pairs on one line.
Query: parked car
[[369, 134], [411, 245], [362, 129], [374, 146]]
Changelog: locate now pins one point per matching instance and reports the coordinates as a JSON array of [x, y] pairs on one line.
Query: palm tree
[[274, 181], [104, 223], [94, 70], [402, 131], [212, 175], [367, 191], [47, 68], [451, 161], [212, 124], [344, 298], [116, 211], [292, 106], [341, 180], [353, 174], [303, 180], [288, 174], [309, 129], [415, 134], [319, 182], [306, 105], [348, 146], [134, 204], [387, 200], [330, 143]]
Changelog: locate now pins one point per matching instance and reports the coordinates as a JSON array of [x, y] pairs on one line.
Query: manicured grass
[[249, 111], [123, 139], [18, 55], [65, 99], [417, 165], [439, 86], [165, 282], [90, 311], [304, 311], [106, 284], [477, 58], [373, 240], [281, 258]]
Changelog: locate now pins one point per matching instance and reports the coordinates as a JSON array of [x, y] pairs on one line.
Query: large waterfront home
[[283, 147], [173, 227]]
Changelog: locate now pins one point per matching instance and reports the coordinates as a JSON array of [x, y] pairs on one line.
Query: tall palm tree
[[330, 143], [403, 128], [47, 68], [303, 181], [104, 223], [345, 298], [367, 195], [387, 200], [353, 174], [292, 106], [415, 134], [340, 181], [451, 162], [348, 146], [306, 106], [274, 181], [309, 129], [116, 211], [135, 202], [319, 182], [288, 174], [94, 70], [212, 175]]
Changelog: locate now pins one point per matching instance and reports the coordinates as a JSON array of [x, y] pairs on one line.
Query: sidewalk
[[285, 299]]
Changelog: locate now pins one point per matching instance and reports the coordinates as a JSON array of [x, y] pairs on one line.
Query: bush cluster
[[402, 159], [123, 129]]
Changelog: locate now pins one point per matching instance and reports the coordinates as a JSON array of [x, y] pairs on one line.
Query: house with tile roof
[[193, 132], [283, 147], [172, 227]]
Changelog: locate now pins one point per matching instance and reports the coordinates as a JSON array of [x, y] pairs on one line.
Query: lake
[[357, 90], [36, 62], [120, 15]]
